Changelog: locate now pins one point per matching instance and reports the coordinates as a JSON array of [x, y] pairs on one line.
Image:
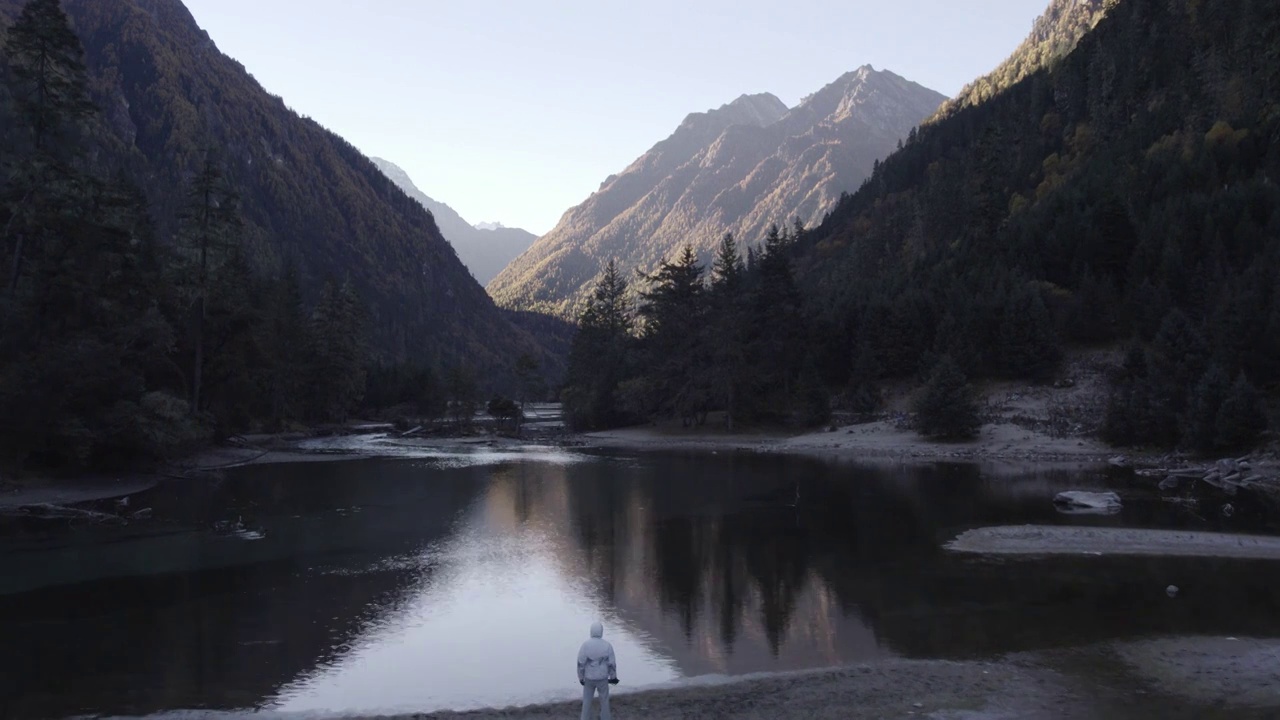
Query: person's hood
[[597, 630]]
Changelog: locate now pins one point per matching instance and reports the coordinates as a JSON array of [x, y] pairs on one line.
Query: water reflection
[[499, 623], [418, 585]]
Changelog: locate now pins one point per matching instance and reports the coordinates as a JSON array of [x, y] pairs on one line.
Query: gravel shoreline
[[906, 688], [873, 441], [1163, 679]]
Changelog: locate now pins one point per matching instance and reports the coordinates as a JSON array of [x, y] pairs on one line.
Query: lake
[[468, 579]]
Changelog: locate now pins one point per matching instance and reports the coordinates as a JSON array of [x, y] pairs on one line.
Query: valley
[[872, 401]]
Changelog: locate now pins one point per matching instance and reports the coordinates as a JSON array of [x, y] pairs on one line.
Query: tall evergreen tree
[[339, 352], [210, 227], [46, 61], [286, 340], [1241, 418], [727, 332], [675, 355], [946, 409], [1027, 345], [599, 356], [1200, 419], [49, 85], [778, 326]]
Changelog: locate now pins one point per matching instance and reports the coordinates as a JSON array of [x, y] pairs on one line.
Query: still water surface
[[461, 581]]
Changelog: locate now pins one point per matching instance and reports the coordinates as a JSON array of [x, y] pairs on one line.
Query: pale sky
[[517, 110]]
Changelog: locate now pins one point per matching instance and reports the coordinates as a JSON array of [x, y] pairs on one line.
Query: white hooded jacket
[[595, 658]]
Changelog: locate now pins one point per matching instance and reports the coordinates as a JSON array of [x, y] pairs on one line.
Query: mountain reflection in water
[[420, 585]]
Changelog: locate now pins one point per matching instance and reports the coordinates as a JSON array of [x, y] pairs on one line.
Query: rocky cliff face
[[738, 168]]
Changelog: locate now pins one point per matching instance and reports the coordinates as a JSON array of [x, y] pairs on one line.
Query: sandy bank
[[1060, 540], [1173, 679], [898, 689], [1229, 672], [997, 442]]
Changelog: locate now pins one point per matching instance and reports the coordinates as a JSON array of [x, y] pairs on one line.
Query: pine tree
[[286, 339], [235, 364], [49, 84], [1200, 420], [946, 409], [599, 355], [727, 332], [778, 328], [1125, 419], [210, 227], [675, 356], [727, 268], [863, 394], [1242, 417], [46, 61], [797, 229], [1176, 360], [1027, 345], [339, 353], [812, 402]]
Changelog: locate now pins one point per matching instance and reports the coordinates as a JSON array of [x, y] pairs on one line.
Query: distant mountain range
[[485, 248], [738, 168]]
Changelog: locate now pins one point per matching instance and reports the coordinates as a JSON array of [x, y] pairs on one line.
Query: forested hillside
[[308, 198], [183, 256], [1054, 35], [1127, 195]]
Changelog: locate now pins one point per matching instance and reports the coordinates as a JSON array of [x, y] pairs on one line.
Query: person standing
[[597, 670]]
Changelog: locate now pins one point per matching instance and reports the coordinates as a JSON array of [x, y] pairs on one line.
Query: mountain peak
[[758, 110], [738, 168], [761, 109], [876, 97]]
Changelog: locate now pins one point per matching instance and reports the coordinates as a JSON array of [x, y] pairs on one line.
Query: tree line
[[735, 336], [693, 338]]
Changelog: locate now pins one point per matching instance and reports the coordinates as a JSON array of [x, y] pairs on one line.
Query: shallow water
[[459, 580]]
